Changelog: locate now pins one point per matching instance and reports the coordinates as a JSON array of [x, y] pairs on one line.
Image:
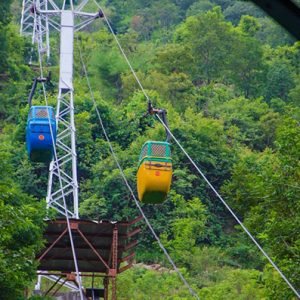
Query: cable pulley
[[163, 115]]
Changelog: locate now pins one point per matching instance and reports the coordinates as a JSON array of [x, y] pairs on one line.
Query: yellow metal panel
[[154, 181]]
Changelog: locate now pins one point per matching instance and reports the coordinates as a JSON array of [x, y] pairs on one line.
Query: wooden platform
[[103, 249], [96, 244]]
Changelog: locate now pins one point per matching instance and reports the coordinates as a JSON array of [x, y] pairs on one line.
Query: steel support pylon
[[36, 25], [37, 15], [62, 184], [64, 169]]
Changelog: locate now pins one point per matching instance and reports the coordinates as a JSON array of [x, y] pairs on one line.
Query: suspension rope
[[127, 183], [59, 176], [195, 165], [231, 211], [122, 51]]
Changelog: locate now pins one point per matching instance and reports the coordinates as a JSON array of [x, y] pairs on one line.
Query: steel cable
[[59, 176], [128, 185], [195, 165]]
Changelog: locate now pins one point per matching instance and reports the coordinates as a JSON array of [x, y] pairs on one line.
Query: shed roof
[[92, 242]]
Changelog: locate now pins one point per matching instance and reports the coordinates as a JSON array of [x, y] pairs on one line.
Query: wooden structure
[[103, 249]]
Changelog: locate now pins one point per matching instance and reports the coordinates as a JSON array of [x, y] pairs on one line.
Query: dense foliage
[[229, 79], [21, 214]]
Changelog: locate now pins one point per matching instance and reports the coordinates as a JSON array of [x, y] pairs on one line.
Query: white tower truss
[[62, 183], [36, 25], [37, 16], [65, 167]]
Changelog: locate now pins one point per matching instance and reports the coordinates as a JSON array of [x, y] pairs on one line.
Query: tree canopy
[[229, 78]]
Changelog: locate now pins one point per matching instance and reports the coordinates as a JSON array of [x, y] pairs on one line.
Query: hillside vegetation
[[229, 78]]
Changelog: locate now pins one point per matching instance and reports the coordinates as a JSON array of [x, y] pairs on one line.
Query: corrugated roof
[[57, 254]]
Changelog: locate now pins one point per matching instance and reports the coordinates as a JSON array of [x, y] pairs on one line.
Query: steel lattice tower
[[37, 17], [36, 25]]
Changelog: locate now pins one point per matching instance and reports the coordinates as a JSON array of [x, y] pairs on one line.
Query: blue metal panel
[[39, 142]]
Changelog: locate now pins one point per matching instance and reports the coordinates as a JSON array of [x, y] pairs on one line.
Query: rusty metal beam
[[102, 222], [126, 258], [93, 241], [133, 232], [139, 218], [94, 250], [101, 235], [130, 245], [83, 247], [125, 268], [114, 263], [105, 284], [52, 245], [59, 287], [64, 274]]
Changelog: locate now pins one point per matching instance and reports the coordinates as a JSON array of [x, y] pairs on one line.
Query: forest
[[229, 78]]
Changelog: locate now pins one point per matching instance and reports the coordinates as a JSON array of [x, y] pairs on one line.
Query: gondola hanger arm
[[37, 80], [163, 115]]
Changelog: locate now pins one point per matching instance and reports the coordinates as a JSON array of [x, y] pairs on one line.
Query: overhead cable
[[195, 165], [128, 185], [60, 180], [230, 210]]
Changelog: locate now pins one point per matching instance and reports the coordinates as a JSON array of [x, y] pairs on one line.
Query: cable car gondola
[[41, 127], [39, 142], [154, 174]]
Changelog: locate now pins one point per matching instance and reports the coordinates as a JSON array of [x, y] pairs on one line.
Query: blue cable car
[[39, 142]]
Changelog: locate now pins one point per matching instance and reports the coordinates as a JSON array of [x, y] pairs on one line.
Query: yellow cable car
[[154, 172]]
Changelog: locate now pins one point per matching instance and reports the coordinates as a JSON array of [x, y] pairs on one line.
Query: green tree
[[188, 226], [256, 122], [249, 25], [150, 284], [294, 94], [246, 68], [279, 80], [237, 9], [21, 228], [271, 33], [199, 7], [264, 191], [239, 284], [209, 38]]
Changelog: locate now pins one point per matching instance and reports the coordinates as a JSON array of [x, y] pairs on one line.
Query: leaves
[[229, 82], [21, 225]]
